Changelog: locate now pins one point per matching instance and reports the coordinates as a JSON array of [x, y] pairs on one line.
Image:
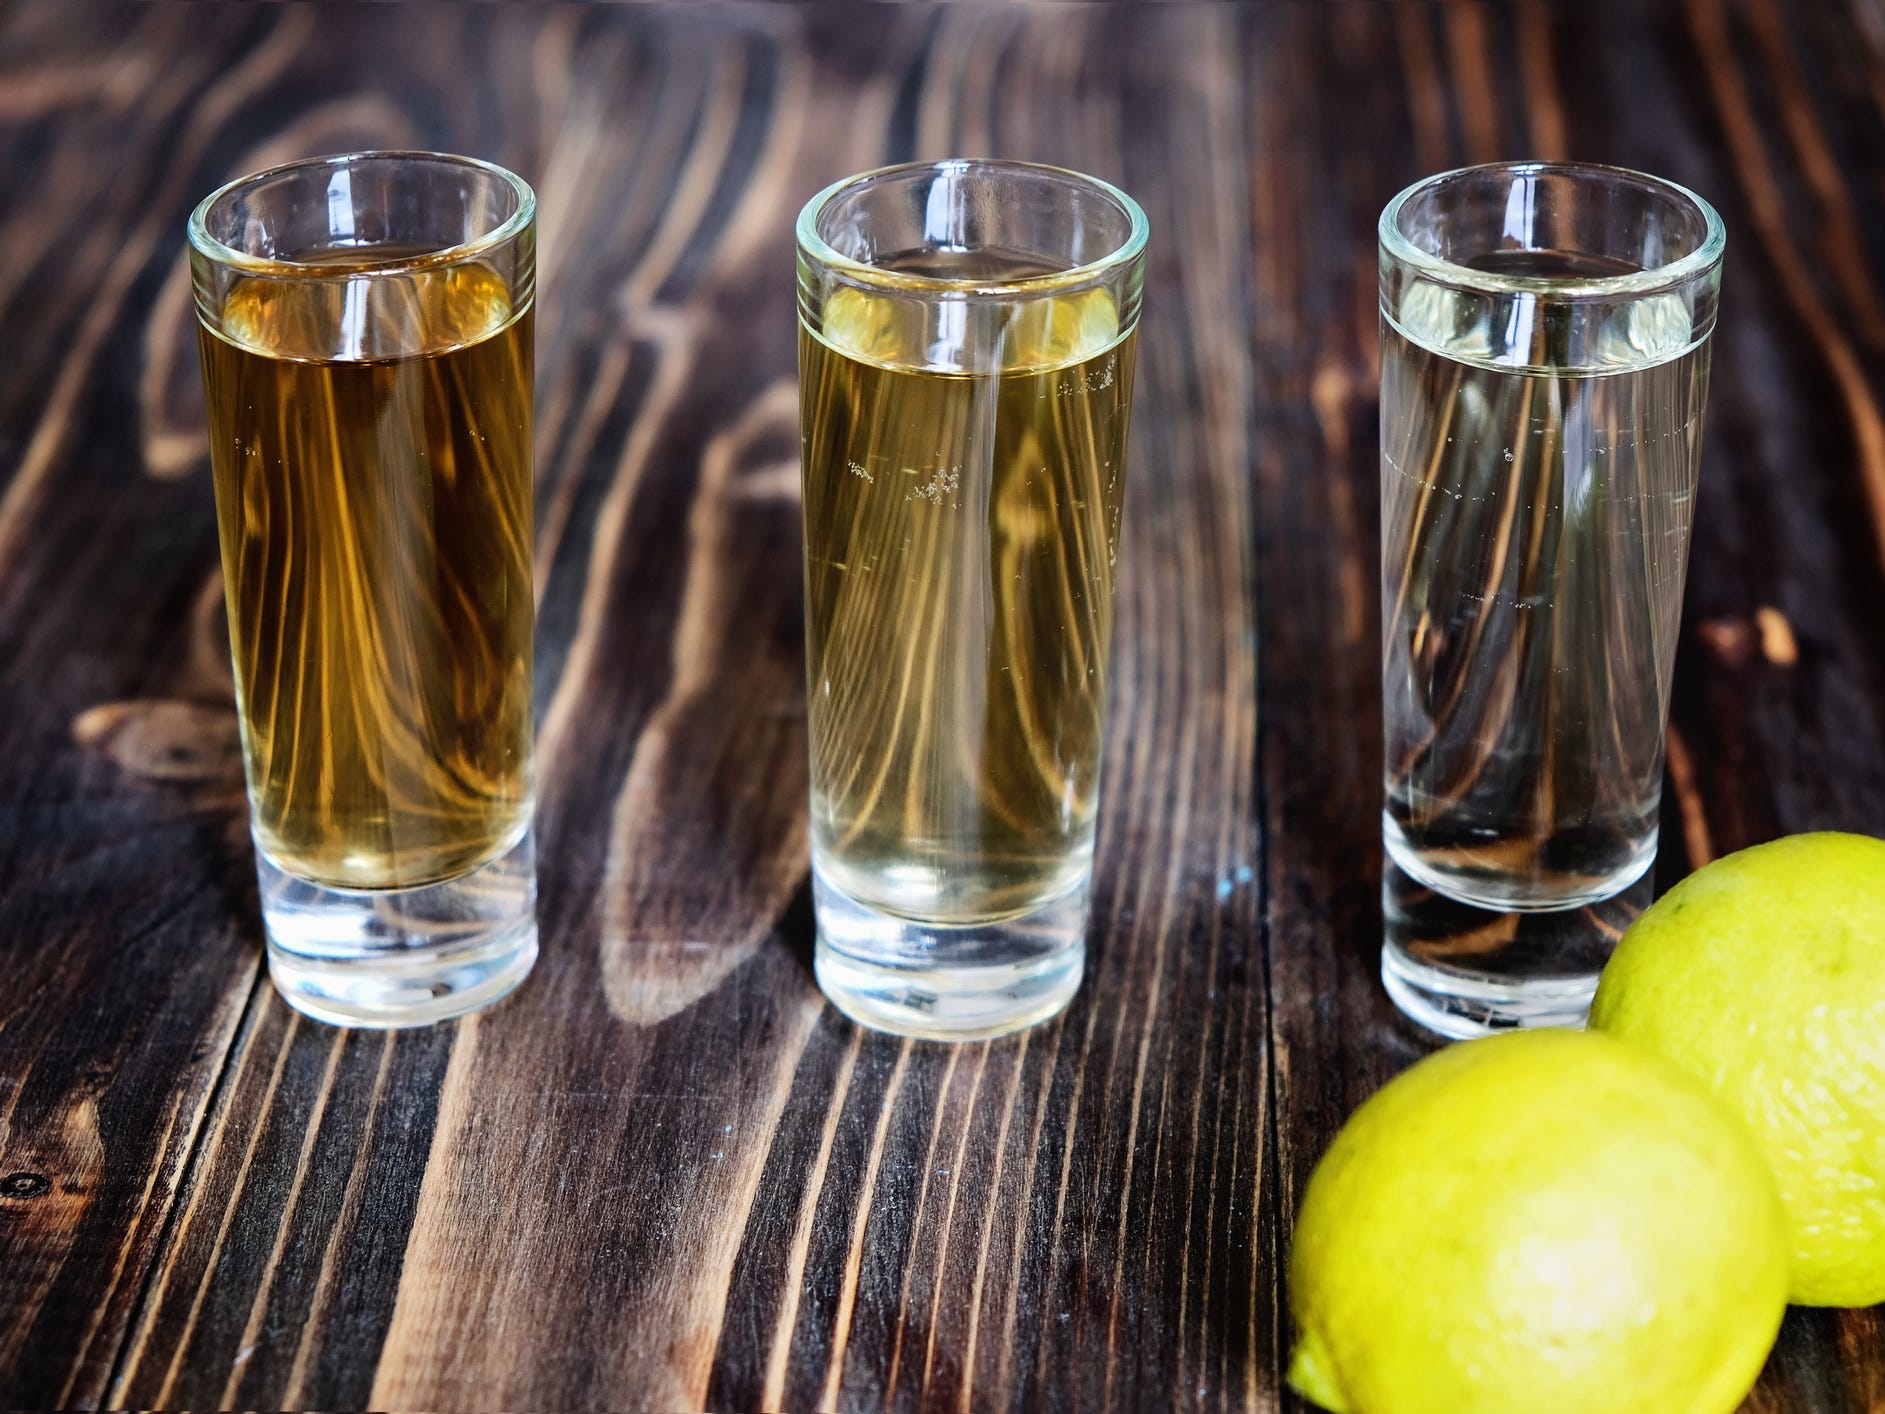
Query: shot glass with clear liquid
[[1544, 367], [966, 341], [365, 325]]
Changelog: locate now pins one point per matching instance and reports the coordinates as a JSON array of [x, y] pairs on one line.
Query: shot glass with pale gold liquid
[[365, 323], [966, 341]]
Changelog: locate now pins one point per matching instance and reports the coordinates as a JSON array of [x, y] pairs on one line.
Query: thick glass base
[[1512, 891], [1460, 1006], [948, 983], [402, 957], [1465, 971]]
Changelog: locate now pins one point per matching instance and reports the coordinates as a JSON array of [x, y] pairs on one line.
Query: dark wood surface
[[664, 1175]]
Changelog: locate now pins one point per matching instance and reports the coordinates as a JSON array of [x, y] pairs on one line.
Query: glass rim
[[1638, 282], [817, 248], [212, 249]]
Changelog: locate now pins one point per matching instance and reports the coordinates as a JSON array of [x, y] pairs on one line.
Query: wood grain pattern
[[663, 1175]]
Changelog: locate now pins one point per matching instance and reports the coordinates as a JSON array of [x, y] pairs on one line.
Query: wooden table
[[663, 1174]]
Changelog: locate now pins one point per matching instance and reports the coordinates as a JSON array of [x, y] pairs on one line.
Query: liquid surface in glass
[[376, 536], [961, 534], [1535, 530]]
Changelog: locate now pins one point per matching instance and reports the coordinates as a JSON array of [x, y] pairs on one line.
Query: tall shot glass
[[1544, 367], [966, 339], [365, 325]]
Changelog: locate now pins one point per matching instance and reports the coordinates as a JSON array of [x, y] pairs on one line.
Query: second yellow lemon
[[1763, 975]]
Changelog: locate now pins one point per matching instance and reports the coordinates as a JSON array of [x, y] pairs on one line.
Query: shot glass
[[365, 327], [1544, 367], [966, 340]]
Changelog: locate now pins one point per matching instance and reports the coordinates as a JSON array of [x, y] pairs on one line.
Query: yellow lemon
[[1763, 974], [1550, 1221]]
